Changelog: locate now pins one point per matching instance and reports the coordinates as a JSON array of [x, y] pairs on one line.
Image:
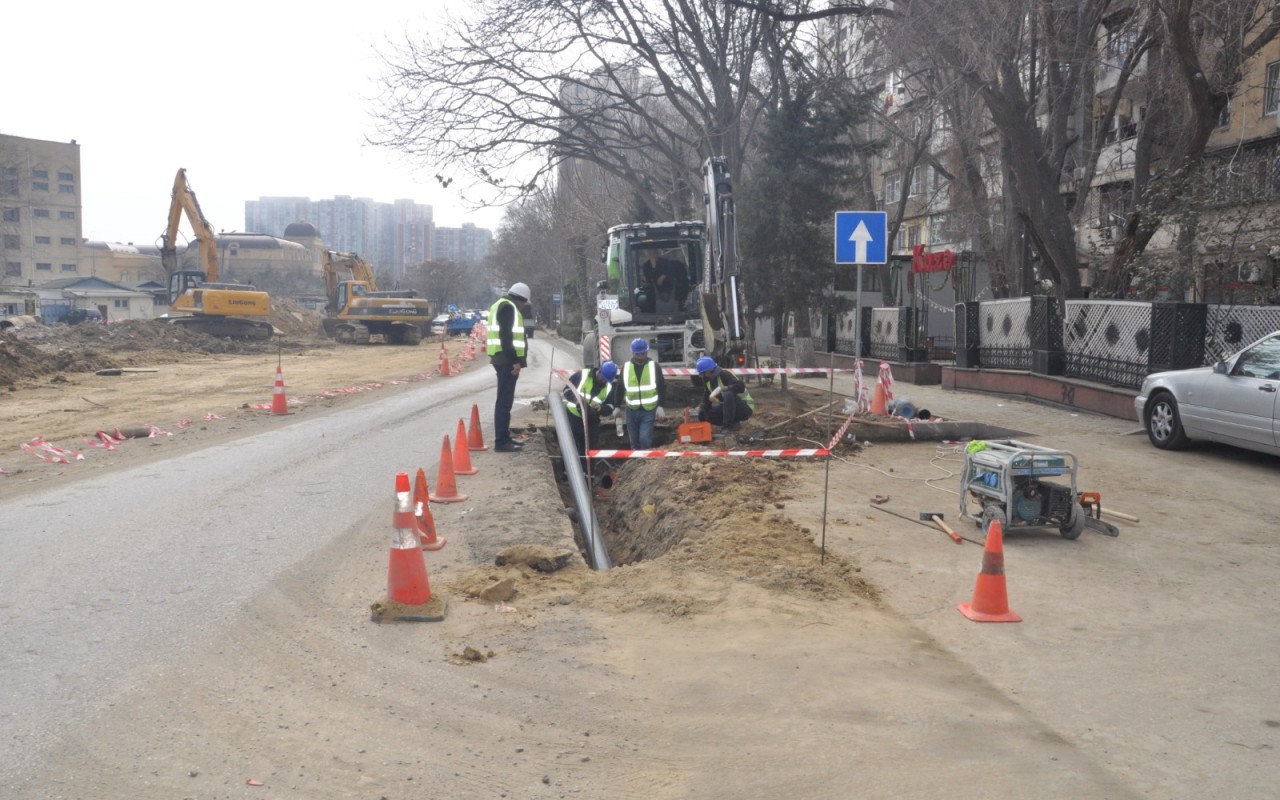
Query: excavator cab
[[655, 270]]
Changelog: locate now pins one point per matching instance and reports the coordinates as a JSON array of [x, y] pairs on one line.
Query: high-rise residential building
[[393, 237], [39, 210]]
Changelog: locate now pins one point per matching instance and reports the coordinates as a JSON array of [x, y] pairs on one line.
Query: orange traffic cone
[[409, 596], [279, 403], [461, 456], [444, 362], [878, 405], [990, 600], [422, 512], [446, 484], [475, 437]]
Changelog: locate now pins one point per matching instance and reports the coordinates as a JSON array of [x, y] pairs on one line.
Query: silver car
[[1234, 401]]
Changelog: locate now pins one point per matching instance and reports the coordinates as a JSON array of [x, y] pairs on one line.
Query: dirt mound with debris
[[35, 351]]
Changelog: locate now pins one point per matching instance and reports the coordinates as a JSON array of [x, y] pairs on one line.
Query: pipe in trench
[[578, 483]]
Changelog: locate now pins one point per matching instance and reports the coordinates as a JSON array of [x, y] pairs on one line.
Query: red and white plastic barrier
[[789, 453]]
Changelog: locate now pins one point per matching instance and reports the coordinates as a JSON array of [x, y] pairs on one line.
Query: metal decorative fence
[[886, 333], [1004, 333], [1232, 328], [1107, 341]]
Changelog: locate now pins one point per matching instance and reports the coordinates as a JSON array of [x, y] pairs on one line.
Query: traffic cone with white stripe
[[445, 371], [279, 403], [461, 456], [990, 598], [475, 436], [422, 511], [408, 597]]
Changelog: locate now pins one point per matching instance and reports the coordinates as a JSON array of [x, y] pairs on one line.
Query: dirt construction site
[[766, 630]]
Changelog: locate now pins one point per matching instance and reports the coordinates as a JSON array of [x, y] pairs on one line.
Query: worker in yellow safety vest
[[597, 390], [725, 399], [643, 392], [507, 349]]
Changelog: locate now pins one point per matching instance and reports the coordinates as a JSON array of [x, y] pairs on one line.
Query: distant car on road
[[78, 315], [439, 324], [1233, 402]]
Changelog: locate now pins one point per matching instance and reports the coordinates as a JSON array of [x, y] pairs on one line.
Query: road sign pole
[[857, 318]]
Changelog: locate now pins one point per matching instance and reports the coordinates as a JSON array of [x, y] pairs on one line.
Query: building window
[[66, 215], [43, 174], [9, 186], [42, 213], [917, 181], [43, 240], [12, 215], [68, 267], [12, 242], [68, 240], [892, 189], [43, 267], [66, 176], [13, 269], [118, 303], [66, 188], [938, 229], [913, 235], [1271, 100], [39, 186]]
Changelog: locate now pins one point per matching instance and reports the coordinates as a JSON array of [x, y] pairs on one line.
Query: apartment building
[[40, 197]]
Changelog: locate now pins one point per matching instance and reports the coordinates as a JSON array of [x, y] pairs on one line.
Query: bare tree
[[625, 85]]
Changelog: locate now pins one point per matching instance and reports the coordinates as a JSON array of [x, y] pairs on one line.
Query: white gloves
[[595, 403], [716, 392], [661, 413]]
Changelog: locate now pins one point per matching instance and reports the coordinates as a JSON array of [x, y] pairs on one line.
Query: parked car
[[77, 315], [1233, 402], [439, 324]]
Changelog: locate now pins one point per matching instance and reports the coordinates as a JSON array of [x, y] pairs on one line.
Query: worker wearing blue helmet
[[643, 390], [597, 391], [725, 399]]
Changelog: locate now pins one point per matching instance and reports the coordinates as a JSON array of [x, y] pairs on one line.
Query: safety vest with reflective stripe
[[641, 390], [493, 344], [586, 385], [751, 403]]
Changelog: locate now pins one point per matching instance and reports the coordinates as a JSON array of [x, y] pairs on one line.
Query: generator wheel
[[1075, 524], [992, 513]]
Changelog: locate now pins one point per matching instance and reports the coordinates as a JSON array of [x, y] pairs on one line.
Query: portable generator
[[1021, 485]]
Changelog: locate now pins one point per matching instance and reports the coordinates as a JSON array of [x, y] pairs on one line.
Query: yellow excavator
[[197, 301], [357, 312]]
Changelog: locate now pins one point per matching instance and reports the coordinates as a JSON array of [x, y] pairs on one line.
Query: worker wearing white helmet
[[507, 350]]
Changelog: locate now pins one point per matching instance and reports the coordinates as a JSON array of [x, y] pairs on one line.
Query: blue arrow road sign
[[862, 237]]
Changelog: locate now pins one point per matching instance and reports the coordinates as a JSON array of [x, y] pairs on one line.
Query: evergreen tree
[[787, 211]]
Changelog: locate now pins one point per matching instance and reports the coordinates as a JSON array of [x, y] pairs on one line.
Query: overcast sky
[[255, 99]]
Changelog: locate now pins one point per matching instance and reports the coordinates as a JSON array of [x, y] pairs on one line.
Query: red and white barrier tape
[[678, 371], [45, 451], [790, 453]]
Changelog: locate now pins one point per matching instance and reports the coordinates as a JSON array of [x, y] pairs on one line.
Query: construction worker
[[598, 390], [725, 399], [643, 391], [507, 353]]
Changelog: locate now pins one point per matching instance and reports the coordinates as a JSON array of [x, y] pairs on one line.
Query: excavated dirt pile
[[35, 351]]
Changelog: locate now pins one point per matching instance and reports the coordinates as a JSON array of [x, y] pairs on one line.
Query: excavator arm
[[722, 312], [183, 201]]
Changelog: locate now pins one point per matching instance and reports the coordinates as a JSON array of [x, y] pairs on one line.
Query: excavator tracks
[[226, 327]]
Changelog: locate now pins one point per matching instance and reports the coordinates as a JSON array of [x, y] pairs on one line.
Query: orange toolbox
[[691, 432]]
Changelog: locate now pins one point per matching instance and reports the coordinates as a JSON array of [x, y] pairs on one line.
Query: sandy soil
[[765, 633]]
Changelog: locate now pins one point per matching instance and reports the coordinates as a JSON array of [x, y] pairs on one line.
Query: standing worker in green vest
[[643, 391], [505, 343], [725, 399], [597, 391]]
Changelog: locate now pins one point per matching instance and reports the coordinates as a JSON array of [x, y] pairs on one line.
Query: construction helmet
[[520, 290], [608, 370], [706, 364], [639, 346]]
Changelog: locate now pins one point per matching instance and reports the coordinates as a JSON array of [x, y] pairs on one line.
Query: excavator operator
[[663, 285]]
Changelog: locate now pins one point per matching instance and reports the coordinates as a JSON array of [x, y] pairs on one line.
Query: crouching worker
[[725, 399], [597, 389]]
